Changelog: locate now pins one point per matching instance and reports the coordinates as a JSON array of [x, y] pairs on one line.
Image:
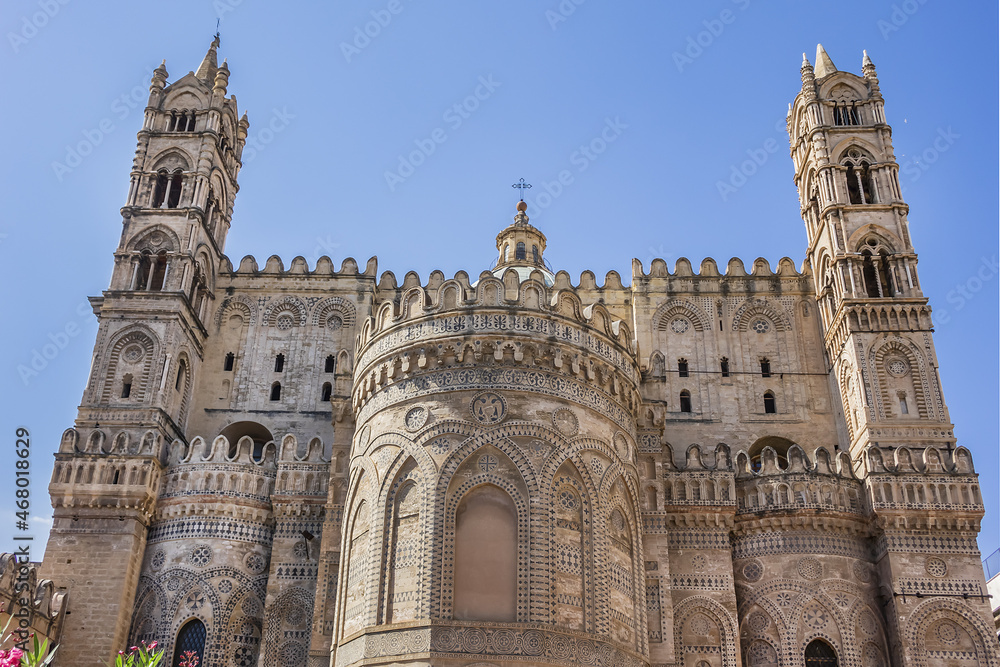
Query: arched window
[[127, 385], [159, 274], [682, 368], [176, 184], [230, 360], [279, 363], [486, 556], [506, 252], [327, 391], [181, 375], [770, 407], [520, 252], [860, 187], [820, 654], [765, 368], [329, 366], [534, 254], [276, 391], [190, 638], [904, 409], [724, 367], [685, 401], [160, 188], [870, 275]]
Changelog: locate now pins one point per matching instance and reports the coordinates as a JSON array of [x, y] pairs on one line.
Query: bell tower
[[151, 335], [922, 489], [877, 322]]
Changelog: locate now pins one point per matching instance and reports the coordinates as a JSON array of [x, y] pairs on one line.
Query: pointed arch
[[133, 351], [715, 612]]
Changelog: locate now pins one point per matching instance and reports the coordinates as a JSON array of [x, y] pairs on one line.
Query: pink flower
[[11, 658]]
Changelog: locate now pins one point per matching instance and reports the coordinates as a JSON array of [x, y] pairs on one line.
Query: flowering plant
[[189, 659], [17, 657], [139, 656]]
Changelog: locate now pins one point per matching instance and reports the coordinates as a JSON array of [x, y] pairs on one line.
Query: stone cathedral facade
[[292, 465]]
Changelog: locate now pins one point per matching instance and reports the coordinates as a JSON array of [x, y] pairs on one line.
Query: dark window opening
[[859, 184], [279, 363], [682, 368], [770, 407], [160, 189], [724, 367], [685, 401], [190, 638], [230, 360], [159, 272], [327, 391], [127, 386], [114, 480], [534, 254], [258, 451], [520, 252], [181, 371], [276, 391], [176, 183], [328, 368], [846, 115], [870, 274], [765, 368], [820, 654]]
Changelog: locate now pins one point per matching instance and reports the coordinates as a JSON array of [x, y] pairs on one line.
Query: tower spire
[[210, 63], [824, 65]]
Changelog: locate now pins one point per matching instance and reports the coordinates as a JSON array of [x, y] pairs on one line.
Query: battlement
[[299, 267], [709, 269], [458, 294]]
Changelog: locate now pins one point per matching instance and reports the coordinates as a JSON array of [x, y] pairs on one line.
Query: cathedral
[[284, 465]]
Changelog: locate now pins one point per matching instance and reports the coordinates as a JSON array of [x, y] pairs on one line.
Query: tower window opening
[[279, 363], [181, 372], [682, 368], [329, 366], [859, 183], [506, 252], [904, 409], [160, 189], [869, 272], [230, 360], [765, 368], [190, 122], [724, 367], [885, 274], [127, 385], [520, 252], [157, 271], [770, 407], [142, 276], [176, 184], [276, 391], [845, 115], [685, 401], [117, 477], [327, 391], [534, 254]]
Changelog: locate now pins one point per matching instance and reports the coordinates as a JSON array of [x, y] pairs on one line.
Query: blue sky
[[692, 90]]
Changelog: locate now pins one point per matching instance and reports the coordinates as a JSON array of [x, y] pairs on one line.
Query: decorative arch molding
[[335, 304], [760, 307], [241, 304], [282, 304], [144, 240], [712, 609], [935, 609], [887, 240], [405, 475], [680, 307], [275, 619], [918, 373], [843, 79], [171, 159], [184, 96], [840, 150], [141, 341]]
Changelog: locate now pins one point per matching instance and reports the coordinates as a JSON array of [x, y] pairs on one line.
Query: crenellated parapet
[[497, 333], [824, 483], [35, 604], [923, 487]]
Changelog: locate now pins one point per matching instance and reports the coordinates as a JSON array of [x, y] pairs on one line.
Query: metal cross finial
[[521, 186]]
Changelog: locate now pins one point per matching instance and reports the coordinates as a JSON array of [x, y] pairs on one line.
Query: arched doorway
[[190, 638], [820, 654]]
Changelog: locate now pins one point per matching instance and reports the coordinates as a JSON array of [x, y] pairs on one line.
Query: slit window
[[765, 368], [329, 365], [534, 254], [770, 407], [724, 367], [181, 372], [279, 363], [904, 409], [230, 360], [682, 368], [127, 386], [327, 391], [276, 391], [685, 401]]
